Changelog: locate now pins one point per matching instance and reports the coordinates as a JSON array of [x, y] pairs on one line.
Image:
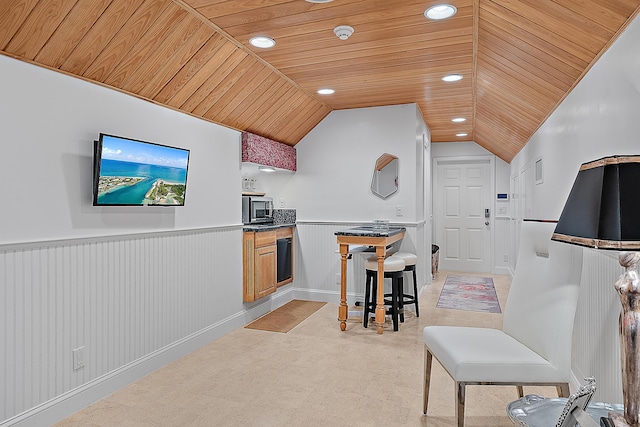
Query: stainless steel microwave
[[257, 210]]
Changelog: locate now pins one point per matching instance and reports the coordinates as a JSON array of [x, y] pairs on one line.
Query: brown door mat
[[285, 318]]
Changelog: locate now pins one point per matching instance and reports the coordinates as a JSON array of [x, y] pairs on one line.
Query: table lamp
[[603, 212]]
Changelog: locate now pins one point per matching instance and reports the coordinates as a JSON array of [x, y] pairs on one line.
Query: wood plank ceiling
[[519, 59]]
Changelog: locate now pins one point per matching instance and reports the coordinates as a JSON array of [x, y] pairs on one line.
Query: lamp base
[[628, 288], [615, 420]]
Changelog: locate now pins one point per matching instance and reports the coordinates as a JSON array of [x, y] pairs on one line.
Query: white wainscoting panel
[[596, 345], [502, 245], [120, 299]]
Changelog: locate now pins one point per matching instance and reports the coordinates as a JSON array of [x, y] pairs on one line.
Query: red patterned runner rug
[[469, 293]]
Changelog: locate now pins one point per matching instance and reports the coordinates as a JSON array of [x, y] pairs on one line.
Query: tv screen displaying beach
[[140, 173]]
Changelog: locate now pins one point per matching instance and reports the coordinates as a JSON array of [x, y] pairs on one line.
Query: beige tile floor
[[314, 375]]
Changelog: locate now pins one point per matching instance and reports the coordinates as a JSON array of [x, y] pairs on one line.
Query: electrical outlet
[[78, 358], [282, 202], [399, 211], [338, 279], [506, 258]]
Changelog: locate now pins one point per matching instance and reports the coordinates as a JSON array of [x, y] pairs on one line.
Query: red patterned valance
[[264, 151]]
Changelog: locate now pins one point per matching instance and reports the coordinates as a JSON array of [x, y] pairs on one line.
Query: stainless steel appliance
[[256, 210]]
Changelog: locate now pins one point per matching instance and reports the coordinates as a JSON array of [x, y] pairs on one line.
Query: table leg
[[343, 308], [380, 311]]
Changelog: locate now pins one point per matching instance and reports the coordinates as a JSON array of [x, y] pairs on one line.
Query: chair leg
[[367, 293], [400, 296], [460, 403], [415, 292], [428, 360], [563, 390], [371, 290], [394, 303], [520, 391]]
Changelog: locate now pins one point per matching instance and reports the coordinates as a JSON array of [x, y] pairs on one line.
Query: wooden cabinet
[[260, 262]]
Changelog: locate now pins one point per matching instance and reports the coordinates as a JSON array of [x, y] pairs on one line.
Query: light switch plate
[[78, 358]]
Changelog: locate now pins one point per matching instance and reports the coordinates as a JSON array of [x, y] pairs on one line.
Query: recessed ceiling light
[[452, 77], [319, 1], [459, 120], [326, 91], [440, 11], [262, 42], [462, 134]]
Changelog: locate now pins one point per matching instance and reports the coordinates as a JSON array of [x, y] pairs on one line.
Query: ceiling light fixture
[[326, 91], [266, 169], [343, 31], [459, 120], [452, 78], [440, 11], [262, 42], [319, 1], [462, 134]]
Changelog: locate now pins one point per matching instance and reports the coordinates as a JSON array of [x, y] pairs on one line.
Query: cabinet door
[[265, 271]]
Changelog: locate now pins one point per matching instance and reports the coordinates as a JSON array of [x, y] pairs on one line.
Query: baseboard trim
[[69, 403], [502, 270], [333, 297], [319, 295]]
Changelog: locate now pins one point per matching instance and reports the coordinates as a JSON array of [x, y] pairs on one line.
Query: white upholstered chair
[[534, 345]]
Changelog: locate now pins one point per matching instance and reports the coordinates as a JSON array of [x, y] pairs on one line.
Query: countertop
[[369, 231], [266, 227]]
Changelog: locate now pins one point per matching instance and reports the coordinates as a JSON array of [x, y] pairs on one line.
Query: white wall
[[332, 189], [48, 123], [598, 118], [136, 287], [336, 162], [423, 173], [270, 183]]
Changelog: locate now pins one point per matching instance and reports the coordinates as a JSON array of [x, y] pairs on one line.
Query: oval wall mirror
[[385, 176]]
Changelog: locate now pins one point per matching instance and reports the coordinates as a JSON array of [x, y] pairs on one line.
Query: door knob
[[486, 223]]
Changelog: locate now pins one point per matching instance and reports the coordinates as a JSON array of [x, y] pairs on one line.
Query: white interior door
[[462, 228]]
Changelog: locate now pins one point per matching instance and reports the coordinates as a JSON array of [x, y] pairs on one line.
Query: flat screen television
[[128, 172]]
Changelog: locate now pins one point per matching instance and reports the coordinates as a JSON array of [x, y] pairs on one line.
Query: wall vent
[[538, 171]]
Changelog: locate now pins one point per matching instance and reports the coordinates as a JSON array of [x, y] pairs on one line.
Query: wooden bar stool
[[394, 270], [410, 261]]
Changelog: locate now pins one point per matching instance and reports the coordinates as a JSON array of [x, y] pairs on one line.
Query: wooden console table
[[380, 239]]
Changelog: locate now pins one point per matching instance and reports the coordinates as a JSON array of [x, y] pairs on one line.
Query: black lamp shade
[[603, 208]]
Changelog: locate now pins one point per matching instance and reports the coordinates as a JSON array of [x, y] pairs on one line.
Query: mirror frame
[[385, 174]]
